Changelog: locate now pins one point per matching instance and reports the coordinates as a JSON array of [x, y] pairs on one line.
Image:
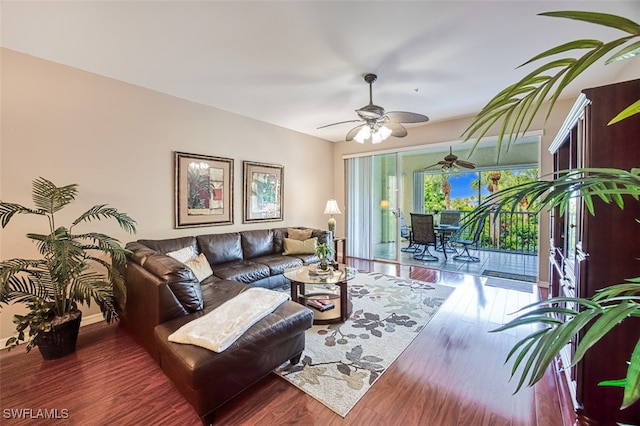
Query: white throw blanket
[[218, 329]]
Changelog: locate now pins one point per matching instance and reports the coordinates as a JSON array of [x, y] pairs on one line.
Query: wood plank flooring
[[451, 374]]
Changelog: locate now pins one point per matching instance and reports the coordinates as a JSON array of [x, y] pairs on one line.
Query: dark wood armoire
[[589, 252]]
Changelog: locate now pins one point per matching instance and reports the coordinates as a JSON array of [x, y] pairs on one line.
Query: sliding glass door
[[384, 208], [372, 207]]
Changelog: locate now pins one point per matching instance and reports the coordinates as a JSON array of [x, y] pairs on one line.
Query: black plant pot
[[61, 340]]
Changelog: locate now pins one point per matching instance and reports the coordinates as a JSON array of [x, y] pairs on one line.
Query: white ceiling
[[300, 64]]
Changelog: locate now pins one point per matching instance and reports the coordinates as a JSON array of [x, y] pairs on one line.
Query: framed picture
[[203, 190], [263, 185]]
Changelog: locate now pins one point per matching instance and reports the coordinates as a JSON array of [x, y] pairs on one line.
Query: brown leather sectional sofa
[[163, 294]]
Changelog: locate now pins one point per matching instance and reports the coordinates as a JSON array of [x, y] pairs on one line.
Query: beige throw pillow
[[183, 254], [299, 234], [200, 267], [307, 246]]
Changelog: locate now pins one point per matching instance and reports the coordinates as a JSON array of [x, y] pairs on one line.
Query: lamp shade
[[332, 207]]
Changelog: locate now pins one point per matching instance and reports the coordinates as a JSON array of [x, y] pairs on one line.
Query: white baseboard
[[91, 319]]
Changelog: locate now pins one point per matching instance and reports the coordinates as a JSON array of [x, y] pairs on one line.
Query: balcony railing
[[515, 232]]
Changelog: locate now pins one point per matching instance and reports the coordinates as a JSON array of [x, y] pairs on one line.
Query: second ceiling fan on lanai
[[378, 124], [451, 162]]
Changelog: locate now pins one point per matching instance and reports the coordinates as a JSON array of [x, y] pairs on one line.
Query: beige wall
[[116, 141]]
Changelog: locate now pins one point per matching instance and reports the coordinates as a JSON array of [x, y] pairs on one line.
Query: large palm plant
[[515, 107], [70, 271]]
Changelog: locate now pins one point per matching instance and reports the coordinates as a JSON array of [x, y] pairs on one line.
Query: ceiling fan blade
[[397, 129], [353, 132], [407, 117], [339, 122], [433, 165], [465, 164]]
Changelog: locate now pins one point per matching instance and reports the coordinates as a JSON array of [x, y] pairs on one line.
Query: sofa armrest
[[323, 236], [180, 280]]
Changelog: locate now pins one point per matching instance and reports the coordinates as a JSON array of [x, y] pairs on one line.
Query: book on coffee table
[[320, 303]]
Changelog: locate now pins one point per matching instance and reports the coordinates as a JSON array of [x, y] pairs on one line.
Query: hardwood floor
[[451, 374]]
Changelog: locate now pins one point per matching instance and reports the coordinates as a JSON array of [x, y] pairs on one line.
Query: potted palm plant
[[516, 106], [74, 269], [324, 251]]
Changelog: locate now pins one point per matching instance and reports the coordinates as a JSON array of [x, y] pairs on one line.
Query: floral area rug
[[342, 361]]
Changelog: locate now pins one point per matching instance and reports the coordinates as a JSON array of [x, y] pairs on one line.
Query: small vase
[[324, 265]]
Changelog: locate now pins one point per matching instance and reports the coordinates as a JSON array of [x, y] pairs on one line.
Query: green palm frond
[[19, 289], [558, 324], [518, 104], [103, 212], [8, 210], [105, 244], [626, 113], [50, 198]]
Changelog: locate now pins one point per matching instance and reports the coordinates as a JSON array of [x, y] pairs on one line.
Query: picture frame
[[263, 192], [203, 190]]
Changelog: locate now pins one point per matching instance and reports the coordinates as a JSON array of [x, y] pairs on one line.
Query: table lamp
[[332, 208]]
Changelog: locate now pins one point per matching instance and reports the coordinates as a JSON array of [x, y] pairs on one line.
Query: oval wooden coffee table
[[326, 293]]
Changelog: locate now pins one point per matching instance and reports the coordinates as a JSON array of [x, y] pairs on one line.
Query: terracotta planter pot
[[61, 340]]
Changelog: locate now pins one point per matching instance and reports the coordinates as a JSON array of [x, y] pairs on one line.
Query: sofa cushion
[[220, 248], [200, 267], [277, 263], [244, 271], [299, 247], [257, 243], [299, 234]]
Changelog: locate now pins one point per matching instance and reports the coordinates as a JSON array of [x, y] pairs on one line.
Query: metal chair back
[[449, 217], [422, 228]]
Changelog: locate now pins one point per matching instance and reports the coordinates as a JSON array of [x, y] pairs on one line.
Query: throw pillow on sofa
[[183, 254], [300, 247], [200, 267], [299, 234]]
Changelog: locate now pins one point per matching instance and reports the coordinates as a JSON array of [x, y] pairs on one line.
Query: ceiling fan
[[378, 124], [451, 163]]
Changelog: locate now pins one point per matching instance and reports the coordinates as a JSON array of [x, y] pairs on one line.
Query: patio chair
[[449, 222], [465, 243], [449, 217], [423, 236], [405, 232]]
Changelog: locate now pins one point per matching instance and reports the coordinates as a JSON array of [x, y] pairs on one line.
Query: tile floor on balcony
[[510, 263]]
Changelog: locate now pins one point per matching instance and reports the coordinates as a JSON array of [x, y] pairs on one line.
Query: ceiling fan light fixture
[[453, 168], [381, 134], [363, 134]]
